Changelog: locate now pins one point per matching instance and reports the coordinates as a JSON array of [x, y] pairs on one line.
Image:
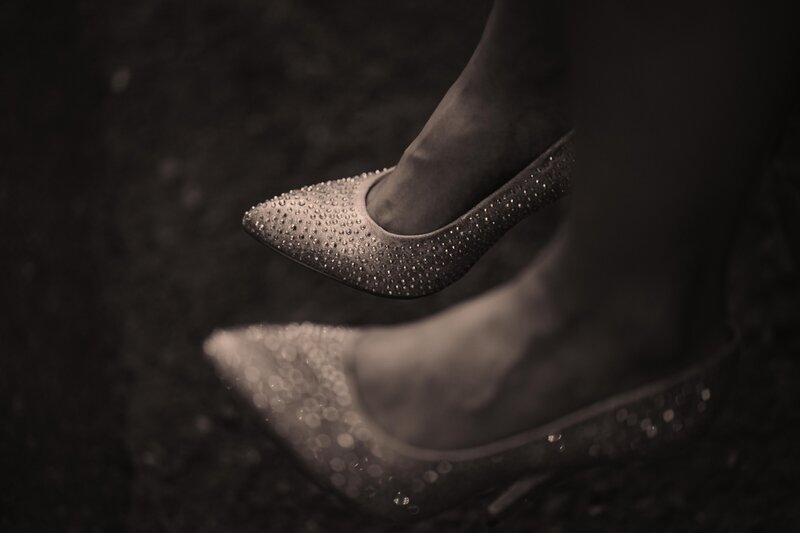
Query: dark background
[[134, 135]]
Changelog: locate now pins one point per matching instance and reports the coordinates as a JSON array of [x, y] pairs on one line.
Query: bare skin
[[671, 135], [518, 357], [502, 112]]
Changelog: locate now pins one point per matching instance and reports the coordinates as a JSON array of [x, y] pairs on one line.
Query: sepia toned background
[[136, 133]]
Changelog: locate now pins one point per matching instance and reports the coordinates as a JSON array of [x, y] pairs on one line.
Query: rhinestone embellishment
[[296, 378], [326, 227]]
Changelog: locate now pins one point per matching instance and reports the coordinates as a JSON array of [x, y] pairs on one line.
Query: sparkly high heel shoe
[[327, 228], [296, 377]]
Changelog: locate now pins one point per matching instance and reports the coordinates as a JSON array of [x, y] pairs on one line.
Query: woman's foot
[[520, 356], [501, 113]]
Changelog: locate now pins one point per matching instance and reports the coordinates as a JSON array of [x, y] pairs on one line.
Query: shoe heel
[[507, 500]]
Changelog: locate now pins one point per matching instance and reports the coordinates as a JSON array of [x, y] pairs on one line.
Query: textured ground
[[164, 121]]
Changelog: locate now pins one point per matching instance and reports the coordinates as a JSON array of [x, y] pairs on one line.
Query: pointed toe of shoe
[[323, 227], [230, 351], [266, 222], [304, 222], [250, 220]]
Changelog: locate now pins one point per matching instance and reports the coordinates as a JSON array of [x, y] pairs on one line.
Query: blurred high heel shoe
[[296, 377], [327, 228]]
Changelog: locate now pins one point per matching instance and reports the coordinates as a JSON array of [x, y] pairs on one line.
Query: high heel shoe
[[296, 377], [327, 228]]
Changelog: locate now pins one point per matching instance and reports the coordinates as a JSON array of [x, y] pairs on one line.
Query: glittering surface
[[296, 377], [327, 228], [160, 435]]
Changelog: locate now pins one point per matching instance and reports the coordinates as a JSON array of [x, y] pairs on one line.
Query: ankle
[[658, 316], [510, 93]]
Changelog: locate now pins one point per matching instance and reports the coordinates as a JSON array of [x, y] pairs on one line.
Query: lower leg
[[677, 109], [502, 111]]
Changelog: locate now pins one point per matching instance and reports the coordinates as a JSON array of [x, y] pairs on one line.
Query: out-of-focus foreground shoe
[[296, 377]]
